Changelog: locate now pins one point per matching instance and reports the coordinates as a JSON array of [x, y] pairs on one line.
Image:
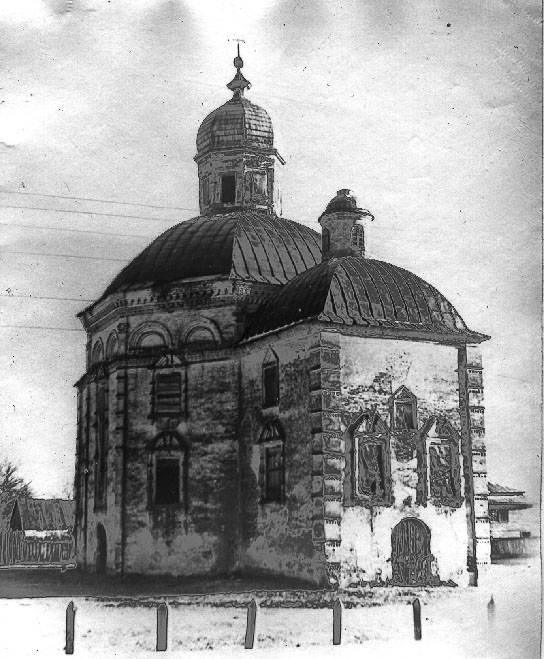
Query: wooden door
[[411, 553]]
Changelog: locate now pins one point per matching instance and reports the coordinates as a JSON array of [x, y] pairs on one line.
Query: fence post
[[417, 619], [250, 626], [70, 616], [162, 627], [337, 622], [491, 610]]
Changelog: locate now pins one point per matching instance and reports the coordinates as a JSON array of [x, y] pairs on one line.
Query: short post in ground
[[70, 619], [250, 626], [491, 611], [337, 622], [416, 606], [162, 627]]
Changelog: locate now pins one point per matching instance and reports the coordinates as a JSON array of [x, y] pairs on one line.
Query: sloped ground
[[455, 624]]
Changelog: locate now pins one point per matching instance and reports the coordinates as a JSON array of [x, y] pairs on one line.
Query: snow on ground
[[454, 626]]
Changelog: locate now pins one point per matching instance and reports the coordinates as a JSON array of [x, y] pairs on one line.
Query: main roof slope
[[365, 292], [246, 245]]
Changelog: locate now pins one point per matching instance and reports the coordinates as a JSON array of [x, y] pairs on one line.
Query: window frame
[[175, 450], [101, 449], [162, 375], [272, 438], [446, 436], [232, 177], [370, 429], [403, 396], [270, 362]]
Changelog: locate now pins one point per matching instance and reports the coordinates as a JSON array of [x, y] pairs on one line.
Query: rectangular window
[[259, 183], [270, 385], [168, 394], [441, 477], [205, 190], [371, 469], [167, 481], [101, 434], [500, 516], [404, 415], [228, 188], [273, 473]]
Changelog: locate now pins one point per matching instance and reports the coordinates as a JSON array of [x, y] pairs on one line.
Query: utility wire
[[65, 210], [45, 297], [100, 233], [103, 201], [67, 256], [42, 327]]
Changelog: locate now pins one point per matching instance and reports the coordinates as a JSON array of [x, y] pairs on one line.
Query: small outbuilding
[[510, 537], [42, 517]]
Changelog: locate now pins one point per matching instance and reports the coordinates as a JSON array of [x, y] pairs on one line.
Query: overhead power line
[[45, 297], [67, 256], [65, 210], [42, 327], [99, 233], [102, 201]]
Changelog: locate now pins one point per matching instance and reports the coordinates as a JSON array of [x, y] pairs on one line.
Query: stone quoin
[[262, 398]]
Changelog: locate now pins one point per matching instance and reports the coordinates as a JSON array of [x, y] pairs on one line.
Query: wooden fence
[[16, 549]]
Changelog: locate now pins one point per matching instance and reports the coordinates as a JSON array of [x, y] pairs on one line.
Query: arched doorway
[[101, 549], [411, 556]]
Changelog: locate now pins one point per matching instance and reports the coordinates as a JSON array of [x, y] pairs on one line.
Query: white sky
[[429, 110]]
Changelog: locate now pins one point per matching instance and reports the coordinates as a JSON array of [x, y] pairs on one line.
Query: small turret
[[343, 227]]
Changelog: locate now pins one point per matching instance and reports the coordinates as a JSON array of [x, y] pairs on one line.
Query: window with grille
[[228, 188], [168, 394], [357, 236]]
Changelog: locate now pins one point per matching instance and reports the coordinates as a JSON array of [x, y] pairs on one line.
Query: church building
[[263, 398]]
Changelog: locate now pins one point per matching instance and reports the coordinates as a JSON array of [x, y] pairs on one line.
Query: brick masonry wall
[[372, 369], [280, 537]]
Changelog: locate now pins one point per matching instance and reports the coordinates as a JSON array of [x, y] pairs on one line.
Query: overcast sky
[[429, 111]]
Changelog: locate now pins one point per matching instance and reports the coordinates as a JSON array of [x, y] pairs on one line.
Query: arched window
[[271, 380], [168, 466], [403, 410], [112, 346], [151, 341], [200, 337], [98, 352], [272, 463], [371, 460]]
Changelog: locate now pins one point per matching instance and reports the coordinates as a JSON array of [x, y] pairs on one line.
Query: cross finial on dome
[[238, 83]]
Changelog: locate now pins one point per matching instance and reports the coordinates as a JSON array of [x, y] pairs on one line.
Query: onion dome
[[244, 245], [367, 293], [237, 123]]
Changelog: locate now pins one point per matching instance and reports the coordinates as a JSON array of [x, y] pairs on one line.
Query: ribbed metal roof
[[358, 291], [46, 514], [246, 245], [238, 122]]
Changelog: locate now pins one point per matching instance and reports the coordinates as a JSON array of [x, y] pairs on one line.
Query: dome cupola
[[236, 154], [343, 227]]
